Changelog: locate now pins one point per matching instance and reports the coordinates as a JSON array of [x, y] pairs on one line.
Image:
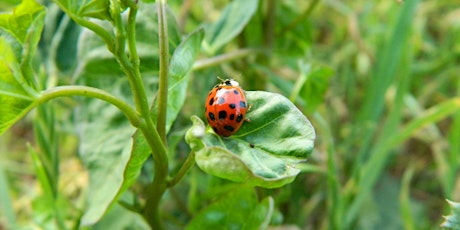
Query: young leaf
[[96, 9], [453, 220], [264, 151], [238, 209], [232, 21], [19, 23], [16, 97]]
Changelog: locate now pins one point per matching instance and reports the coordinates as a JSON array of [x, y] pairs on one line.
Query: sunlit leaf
[[16, 97], [264, 151], [19, 22]]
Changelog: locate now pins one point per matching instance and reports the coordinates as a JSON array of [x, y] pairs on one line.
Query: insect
[[226, 107]]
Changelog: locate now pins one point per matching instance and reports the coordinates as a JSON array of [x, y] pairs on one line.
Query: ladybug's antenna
[[222, 80]]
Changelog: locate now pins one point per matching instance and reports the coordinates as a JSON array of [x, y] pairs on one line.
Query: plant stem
[[155, 141], [188, 164], [131, 32], [77, 90], [164, 58]]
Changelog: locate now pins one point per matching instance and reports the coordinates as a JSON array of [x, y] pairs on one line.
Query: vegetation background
[[379, 80]]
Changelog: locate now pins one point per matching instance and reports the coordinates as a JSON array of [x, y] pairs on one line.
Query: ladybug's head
[[230, 82]]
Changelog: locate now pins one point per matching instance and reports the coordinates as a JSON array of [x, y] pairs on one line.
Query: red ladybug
[[226, 107]]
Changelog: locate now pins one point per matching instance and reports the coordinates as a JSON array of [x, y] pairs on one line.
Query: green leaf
[[315, 86], [181, 63], [232, 21], [121, 218], [453, 220], [95, 61], [238, 209], [19, 22], [264, 151], [23, 30], [105, 146], [88, 8], [16, 97]]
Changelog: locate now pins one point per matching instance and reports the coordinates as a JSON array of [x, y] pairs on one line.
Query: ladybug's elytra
[[226, 107]]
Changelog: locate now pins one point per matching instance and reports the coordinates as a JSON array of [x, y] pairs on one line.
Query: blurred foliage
[[379, 81]]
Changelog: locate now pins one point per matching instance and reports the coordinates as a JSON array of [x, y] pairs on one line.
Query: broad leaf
[[264, 151], [181, 63], [238, 209], [16, 97], [232, 21], [453, 219], [105, 137]]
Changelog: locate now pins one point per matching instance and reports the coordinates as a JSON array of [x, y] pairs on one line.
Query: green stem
[[153, 138], [74, 90], [164, 57], [188, 164], [131, 33]]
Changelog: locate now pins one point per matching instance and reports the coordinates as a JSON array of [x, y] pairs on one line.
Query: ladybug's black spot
[[239, 118], [222, 115], [211, 116], [236, 92], [211, 101], [220, 101], [232, 106], [215, 129], [242, 104], [229, 128], [232, 116]]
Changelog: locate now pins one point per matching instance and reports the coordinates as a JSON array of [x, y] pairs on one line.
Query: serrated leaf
[[95, 9], [238, 209], [452, 221], [86, 8], [264, 151], [23, 29], [232, 21], [16, 97], [19, 22]]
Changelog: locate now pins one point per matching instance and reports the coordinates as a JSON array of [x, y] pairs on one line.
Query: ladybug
[[226, 107]]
